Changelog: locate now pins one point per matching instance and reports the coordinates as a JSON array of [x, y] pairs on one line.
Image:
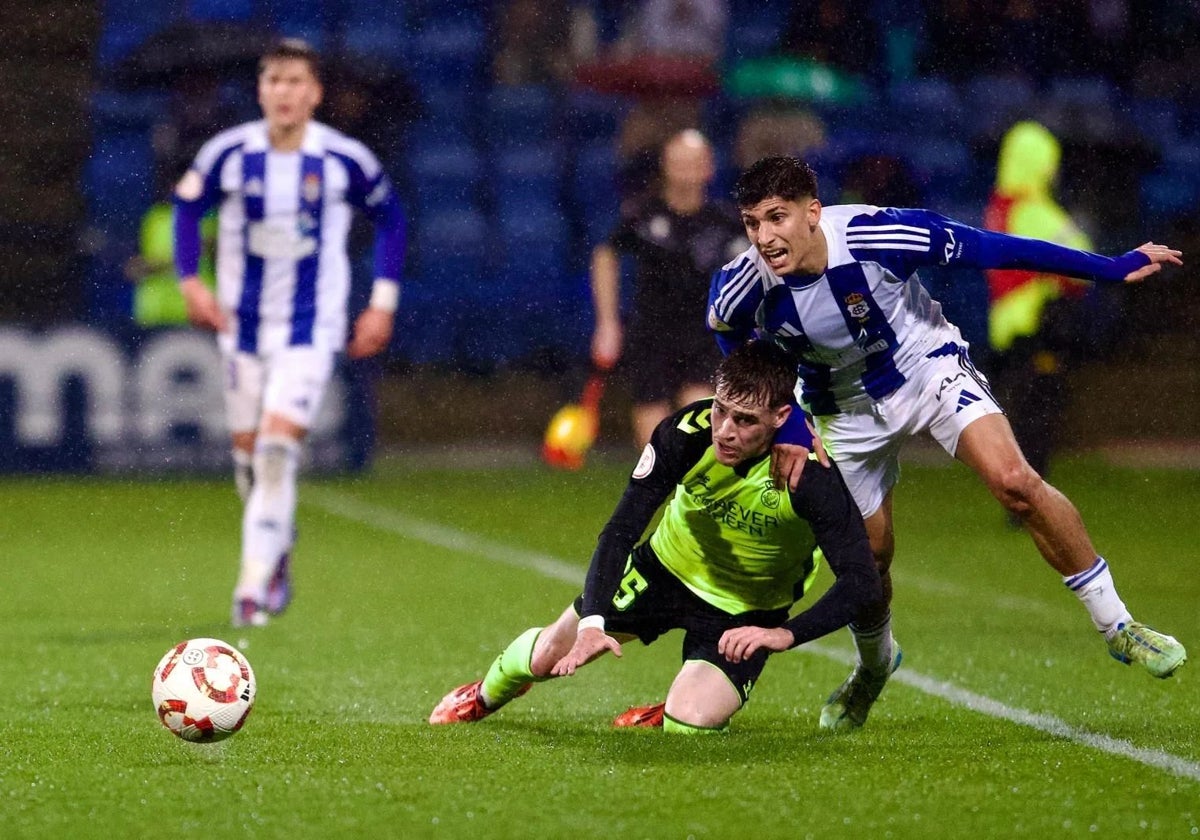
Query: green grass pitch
[[1008, 718]]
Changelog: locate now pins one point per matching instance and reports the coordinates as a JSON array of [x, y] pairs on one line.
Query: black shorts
[[660, 361], [652, 601]]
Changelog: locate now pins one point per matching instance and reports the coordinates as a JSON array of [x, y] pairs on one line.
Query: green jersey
[[730, 537]]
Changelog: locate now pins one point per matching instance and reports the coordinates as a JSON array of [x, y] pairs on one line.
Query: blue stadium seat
[[926, 105], [594, 191], [221, 10], [442, 172], [1084, 91], [1168, 194], [591, 116], [997, 101], [524, 176], [451, 238], [118, 181], [515, 114]]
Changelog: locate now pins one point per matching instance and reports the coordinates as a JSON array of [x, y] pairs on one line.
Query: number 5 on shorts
[[631, 585]]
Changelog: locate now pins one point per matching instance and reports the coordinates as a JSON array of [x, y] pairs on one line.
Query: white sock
[[874, 645], [243, 472], [1098, 593], [270, 512]]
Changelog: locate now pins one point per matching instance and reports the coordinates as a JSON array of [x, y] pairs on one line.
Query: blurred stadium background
[[106, 102]]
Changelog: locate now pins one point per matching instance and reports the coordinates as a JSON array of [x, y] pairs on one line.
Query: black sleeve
[[822, 499], [665, 460]]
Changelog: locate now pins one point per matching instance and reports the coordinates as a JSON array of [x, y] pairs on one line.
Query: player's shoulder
[[682, 438], [745, 262], [340, 143], [220, 144]]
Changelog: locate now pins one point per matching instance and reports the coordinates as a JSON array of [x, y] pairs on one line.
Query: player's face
[[786, 234], [288, 93], [743, 429]]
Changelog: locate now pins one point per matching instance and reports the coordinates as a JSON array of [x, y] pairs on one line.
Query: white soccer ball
[[203, 690]]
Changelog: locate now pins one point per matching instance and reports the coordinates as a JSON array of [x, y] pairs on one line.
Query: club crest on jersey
[[254, 188], [769, 497], [311, 187], [857, 306]]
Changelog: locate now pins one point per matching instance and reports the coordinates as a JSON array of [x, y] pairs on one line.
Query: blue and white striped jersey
[[857, 328], [283, 221]]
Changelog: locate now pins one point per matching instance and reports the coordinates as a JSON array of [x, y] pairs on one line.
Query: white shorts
[[942, 395], [289, 382]]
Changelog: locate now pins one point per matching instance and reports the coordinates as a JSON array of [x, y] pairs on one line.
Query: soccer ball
[[203, 690]]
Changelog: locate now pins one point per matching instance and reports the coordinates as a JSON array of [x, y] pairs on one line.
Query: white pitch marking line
[[442, 536]]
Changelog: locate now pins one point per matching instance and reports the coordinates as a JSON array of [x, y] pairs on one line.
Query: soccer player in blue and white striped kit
[[285, 187], [878, 363]]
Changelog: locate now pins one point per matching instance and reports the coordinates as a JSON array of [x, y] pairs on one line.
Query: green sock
[[678, 727], [510, 672]]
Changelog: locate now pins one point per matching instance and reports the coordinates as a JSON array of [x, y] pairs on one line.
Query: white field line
[[385, 519]]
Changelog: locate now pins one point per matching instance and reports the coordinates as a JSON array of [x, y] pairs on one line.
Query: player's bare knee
[[1018, 487], [699, 712]]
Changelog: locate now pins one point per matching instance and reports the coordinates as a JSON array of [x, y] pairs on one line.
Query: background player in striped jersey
[[838, 287], [726, 562], [285, 187]]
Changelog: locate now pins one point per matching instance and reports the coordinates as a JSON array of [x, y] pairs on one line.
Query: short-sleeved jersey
[[675, 256], [283, 222], [729, 536]]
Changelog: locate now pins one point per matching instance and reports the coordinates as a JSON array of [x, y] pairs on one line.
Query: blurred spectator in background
[[835, 34], [666, 59], [157, 301], [880, 179], [677, 238], [536, 42], [777, 128], [1037, 326]]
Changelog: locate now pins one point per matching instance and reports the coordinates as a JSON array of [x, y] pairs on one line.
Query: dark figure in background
[[677, 237]]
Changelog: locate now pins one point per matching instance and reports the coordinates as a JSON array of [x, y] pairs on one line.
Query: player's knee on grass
[[702, 697]]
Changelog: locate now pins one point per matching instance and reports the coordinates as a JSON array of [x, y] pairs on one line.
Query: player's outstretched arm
[[1159, 255], [590, 643], [202, 307]]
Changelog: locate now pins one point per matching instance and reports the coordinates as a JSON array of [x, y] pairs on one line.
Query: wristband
[[591, 622], [385, 295]]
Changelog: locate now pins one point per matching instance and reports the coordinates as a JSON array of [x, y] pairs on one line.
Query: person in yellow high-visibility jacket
[[157, 301], [1034, 319]]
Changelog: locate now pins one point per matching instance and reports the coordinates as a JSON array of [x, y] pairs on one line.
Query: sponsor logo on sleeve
[[645, 463]]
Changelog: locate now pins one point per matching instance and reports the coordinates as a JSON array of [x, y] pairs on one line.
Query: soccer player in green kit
[[726, 563]]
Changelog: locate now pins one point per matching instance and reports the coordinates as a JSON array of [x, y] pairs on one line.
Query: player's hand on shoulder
[[372, 332], [590, 642], [741, 643], [203, 310], [1159, 255]]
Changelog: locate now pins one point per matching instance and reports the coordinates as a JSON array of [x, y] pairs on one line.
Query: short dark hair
[[286, 49], [788, 178], [758, 371]]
